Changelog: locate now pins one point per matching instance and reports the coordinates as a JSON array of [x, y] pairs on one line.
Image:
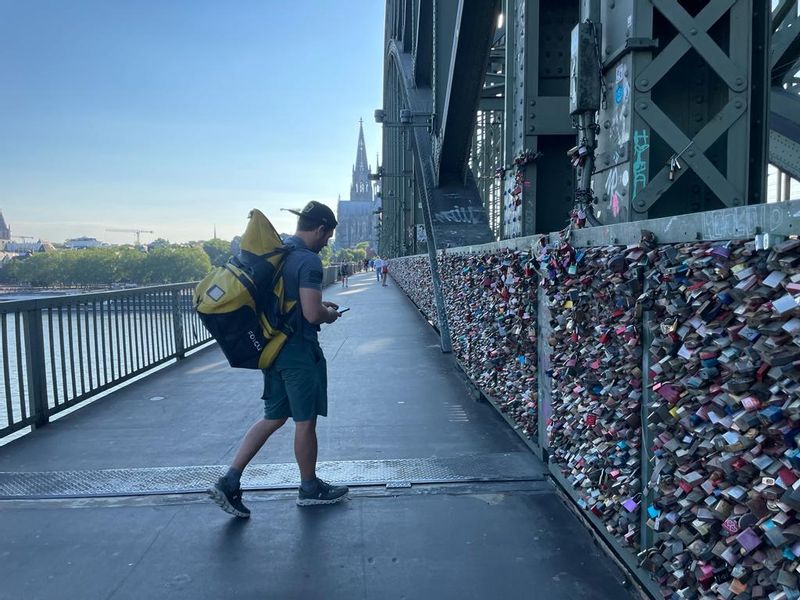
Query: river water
[[85, 348]]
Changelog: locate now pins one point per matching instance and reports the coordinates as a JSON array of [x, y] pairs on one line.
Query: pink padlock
[[730, 526]]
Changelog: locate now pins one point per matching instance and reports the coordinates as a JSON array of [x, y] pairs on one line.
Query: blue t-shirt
[[302, 269]]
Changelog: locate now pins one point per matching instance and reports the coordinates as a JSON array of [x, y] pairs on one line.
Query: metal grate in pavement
[[515, 466]]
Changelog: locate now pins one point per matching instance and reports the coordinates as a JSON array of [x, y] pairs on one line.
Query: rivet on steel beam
[[643, 105], [533, 102], [640, 204], [693, 31], [738, 104], [644, 82], [690, 153]]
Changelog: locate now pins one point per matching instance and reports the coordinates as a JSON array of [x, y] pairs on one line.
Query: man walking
[[296, 384], [378, 264]]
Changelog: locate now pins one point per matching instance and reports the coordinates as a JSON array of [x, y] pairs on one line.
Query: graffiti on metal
[[615, 188], [619, 131], [641, 145], [461, 214], [749, 220]]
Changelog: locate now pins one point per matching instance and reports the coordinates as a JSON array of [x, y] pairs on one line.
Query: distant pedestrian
[[344, 271], [378, 264], [384, 271], [296, 385]]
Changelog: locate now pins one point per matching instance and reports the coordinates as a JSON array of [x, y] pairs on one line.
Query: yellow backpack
[[242, 303]]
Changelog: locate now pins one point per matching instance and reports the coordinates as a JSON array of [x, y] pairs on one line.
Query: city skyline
[[180, 118]]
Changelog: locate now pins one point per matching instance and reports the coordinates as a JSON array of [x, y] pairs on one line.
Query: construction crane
[[138, 233]]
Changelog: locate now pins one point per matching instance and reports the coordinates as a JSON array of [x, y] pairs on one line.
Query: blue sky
[[176, 115]]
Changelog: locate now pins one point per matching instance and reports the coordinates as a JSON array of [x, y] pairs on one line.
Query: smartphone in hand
[[343, 309]]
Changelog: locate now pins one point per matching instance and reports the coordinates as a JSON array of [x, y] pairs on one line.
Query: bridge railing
[[58, 352], [654, 366]]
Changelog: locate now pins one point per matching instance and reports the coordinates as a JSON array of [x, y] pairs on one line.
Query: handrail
[[60, 351], [18, 305]]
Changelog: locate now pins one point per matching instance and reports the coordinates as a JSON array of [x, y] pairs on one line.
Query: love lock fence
[[655, 367]]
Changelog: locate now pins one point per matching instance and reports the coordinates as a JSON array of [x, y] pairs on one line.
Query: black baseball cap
[[318, 213]]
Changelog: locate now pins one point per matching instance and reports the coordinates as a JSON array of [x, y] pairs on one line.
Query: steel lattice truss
[[700, 78]]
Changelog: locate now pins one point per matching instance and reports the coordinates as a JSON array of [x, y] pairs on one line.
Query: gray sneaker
[[324, 494], [228, 499]]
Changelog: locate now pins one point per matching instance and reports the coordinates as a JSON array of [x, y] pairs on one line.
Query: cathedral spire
[[5, 229], [361, 189]]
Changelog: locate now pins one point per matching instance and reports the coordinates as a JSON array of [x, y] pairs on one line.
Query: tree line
[[116, 265], [162, 263], [343, 255]]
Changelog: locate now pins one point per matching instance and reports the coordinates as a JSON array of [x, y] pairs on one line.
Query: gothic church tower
[[361, 189], [357, 218]]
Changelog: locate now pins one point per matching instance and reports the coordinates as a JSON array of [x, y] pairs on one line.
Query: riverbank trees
[[115, 265]]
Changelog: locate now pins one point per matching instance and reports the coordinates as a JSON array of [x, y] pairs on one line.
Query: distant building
[[83, 242], [356, 224], [29, 247], [5, 228], [356, 216]]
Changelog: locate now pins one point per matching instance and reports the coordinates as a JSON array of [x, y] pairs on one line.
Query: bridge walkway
[[446, 501]]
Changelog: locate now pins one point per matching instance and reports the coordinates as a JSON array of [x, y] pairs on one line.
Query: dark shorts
[[296, 385]]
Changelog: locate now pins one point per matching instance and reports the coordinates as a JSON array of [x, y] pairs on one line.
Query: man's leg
[[227, 492], [253, 440], [305, 449], [308, 390], [313, 491]]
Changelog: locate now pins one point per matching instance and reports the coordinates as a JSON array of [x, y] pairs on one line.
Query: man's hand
[[315, 310]]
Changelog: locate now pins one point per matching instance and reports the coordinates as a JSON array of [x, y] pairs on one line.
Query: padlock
[[717, 399], [632, 504], [723, 402]]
